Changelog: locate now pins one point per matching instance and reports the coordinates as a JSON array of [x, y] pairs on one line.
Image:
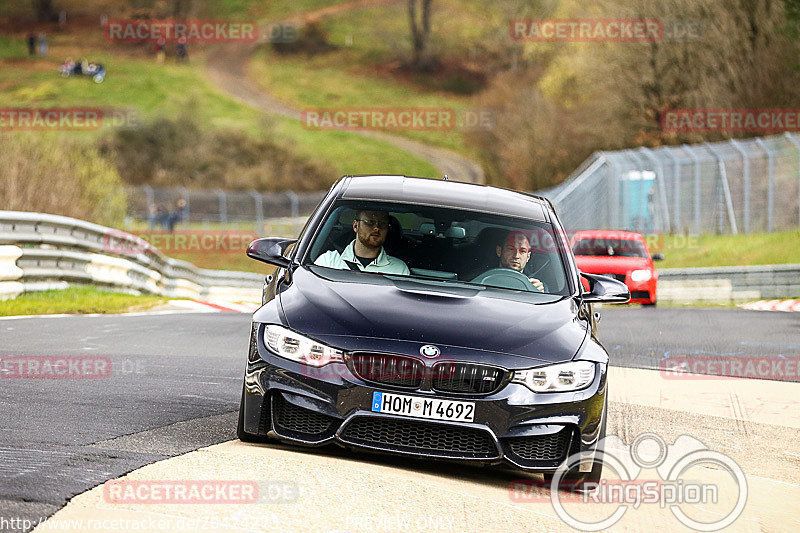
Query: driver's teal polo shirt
[[384, 263]]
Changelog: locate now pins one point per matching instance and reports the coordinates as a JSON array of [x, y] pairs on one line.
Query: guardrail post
[[676, 193], [223, 206], [150, 198], [259, 201], [613, 191], [746, 177], [662, 186], [294, 202], [723, 176], [770, 177], [696, 160], [796, 144]]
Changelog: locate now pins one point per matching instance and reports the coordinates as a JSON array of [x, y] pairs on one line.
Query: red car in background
[[621, 255]]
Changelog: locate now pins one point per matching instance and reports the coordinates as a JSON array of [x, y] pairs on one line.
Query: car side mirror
[[658, 257], [270, 250], [606, 290]]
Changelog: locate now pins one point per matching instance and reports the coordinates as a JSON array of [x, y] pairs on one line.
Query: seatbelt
[[351, 265]]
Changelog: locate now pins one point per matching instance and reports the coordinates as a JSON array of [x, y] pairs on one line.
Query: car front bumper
[[642, 292], [514, 425]]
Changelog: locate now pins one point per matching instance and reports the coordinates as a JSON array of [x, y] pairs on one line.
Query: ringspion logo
[[675, 485]]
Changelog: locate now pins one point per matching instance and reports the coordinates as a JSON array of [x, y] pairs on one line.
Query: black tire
[[240, 432], [573, 480]]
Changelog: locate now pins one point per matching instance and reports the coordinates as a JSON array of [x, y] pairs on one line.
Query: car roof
[[442, 193], [608, 234]]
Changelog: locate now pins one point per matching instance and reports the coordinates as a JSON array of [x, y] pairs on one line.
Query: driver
[[366, 252], [514, 252]]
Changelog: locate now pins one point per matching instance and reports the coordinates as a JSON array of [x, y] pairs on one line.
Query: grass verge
[[364, 67], [77, 299], [682, 251], [137, 89]]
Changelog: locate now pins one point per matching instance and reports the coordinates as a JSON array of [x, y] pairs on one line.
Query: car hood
[[397, 309], [610, 264]]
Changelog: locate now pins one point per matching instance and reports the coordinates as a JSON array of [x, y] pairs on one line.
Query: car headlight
[[641, 275], [290, 345], [563, 377]]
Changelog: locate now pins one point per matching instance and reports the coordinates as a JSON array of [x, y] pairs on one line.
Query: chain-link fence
[[158, 204], [745, 186], [727, 187]]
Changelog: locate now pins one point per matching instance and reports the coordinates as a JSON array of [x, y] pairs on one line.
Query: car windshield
[[441, 245], [609, 247]]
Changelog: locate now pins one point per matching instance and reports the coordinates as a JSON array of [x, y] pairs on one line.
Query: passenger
[[365, 253], [514, 252], [68, 67]]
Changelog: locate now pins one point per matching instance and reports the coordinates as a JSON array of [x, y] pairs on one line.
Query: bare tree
[[420, 29], [44, 9]]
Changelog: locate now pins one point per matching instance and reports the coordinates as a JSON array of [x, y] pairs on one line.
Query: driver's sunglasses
[[380, 224]]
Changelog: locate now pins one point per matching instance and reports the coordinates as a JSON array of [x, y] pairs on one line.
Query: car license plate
[[398, 404]]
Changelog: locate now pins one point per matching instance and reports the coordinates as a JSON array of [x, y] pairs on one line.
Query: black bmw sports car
[[430, 318]]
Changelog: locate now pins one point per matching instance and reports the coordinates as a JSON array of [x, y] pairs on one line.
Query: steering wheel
[[507, 278]]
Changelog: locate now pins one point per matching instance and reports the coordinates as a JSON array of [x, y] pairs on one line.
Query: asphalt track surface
[[175, 382]]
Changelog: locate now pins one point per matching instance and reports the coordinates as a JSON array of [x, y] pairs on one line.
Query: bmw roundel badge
[[430, 351]]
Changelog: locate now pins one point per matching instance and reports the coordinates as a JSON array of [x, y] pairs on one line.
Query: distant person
[[180, 50], [176, 215], [152, 216], [162, 216], [161, 50], [67, 67], [42, 44], [31, 39]]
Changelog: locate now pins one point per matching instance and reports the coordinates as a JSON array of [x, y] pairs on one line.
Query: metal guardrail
[[38, 249], [729, 283]]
